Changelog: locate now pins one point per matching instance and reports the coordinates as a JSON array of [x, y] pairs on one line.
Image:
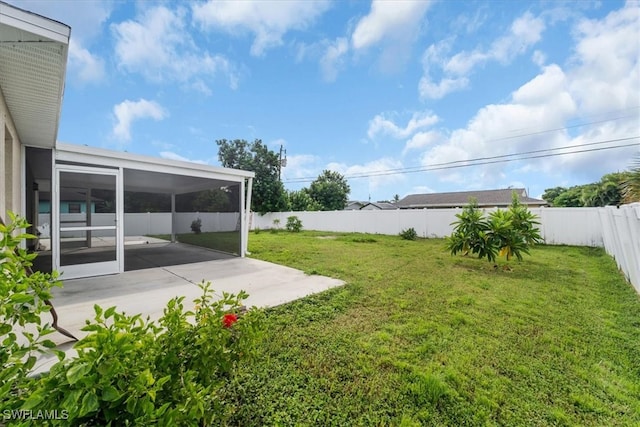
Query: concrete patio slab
[[148, 291]]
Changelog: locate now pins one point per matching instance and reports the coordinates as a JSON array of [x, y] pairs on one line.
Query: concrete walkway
[[148, 291]]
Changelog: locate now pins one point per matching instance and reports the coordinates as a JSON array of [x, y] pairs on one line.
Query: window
[[74, 207]]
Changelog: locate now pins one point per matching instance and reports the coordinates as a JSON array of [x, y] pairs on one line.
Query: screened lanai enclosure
[[102, 212]]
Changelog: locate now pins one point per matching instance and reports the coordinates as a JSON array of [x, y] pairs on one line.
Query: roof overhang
[[33, 62], [152, 174]]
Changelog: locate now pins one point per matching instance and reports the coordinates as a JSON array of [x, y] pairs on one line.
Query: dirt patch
[[327, 237]]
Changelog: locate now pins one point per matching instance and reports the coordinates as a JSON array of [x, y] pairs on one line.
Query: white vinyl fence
[[141, 224], [615, 229]]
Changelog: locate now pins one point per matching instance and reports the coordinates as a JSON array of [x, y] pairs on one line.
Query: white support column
[[243, 240], [88, 215], [173, 217], [247, 216]]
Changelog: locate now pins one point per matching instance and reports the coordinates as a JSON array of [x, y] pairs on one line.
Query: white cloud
[[170, 155], [398, 20], [333, 58], [158, 46], [423, 139], [382, 125], [87, 66], [301, 166], [268, 21], [129, 111], [371, 168], [524, 32], [597, 90]]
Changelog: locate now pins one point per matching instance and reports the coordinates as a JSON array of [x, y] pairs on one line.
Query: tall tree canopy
[[330, 190], [631, 185], [607, 191], [268, 192]]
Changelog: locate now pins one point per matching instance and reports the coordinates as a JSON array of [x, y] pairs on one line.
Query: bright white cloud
[[333, 58], [170, 155], [268, 21], [128, 112], [380, 124], [301, 166], [423, 139], [600, 82], [371, 168], [87, 66], [398, 20], [524, 32], [158, 46]]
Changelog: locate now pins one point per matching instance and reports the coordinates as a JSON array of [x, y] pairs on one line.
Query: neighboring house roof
[[379, 206], [486, 198], [354, 205]]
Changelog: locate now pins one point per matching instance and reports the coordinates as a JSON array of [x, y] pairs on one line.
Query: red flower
[[229, 319]]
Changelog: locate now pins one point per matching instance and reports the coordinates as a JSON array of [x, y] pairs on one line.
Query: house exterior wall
[[10, 163]]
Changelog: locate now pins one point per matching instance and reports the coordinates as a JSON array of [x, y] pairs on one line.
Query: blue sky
[[379, 91]]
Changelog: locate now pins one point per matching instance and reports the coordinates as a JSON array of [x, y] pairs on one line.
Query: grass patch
[[225, 241], [418, 337]]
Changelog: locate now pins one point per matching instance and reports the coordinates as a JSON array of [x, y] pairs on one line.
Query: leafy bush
[[131, 371], [22, 301], [294, 224], [196, 226], [409, 234], [128, 371], [276, 226], [505, 233]]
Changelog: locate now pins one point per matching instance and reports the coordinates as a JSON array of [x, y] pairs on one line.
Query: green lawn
[[418, 337]]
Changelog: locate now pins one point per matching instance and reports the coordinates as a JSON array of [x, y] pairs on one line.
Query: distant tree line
[[613, 189], [328, 192]]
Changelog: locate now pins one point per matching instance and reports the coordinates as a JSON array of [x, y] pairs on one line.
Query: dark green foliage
[[301, 201], [409, 234], [22, 310], [196, 226], [608, 191], [138, 202], [631, 185], [217, 200], [330, 190], [505, 233], [294, 224], [131, 371], [268, 192]]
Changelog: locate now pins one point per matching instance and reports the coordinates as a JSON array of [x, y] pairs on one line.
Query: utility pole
[[282, 163]]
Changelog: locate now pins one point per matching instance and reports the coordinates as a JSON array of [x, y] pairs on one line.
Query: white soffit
[[159, 174], [33, 59]]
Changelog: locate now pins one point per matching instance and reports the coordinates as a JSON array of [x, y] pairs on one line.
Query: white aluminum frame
[[92, 269]]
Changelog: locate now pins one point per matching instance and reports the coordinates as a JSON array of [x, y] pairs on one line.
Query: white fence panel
[[621, 230], [211, 221], [570, 226]]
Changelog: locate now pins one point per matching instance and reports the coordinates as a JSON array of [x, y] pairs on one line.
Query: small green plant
[[257, 230], [276, 226], [196, 226], [409, 234], [22, 302], [294, 224]]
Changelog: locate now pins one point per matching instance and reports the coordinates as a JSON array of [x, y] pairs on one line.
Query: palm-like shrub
[[631, 187], [507, 233]]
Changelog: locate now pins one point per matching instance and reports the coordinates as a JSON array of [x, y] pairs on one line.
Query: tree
[[330, 190], [301, 201], [550, 194], [631, 185], [216, 200], [396, 198], [268, 192]]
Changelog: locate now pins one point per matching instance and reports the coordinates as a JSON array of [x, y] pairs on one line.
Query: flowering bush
[[129, 370]]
